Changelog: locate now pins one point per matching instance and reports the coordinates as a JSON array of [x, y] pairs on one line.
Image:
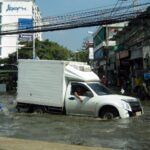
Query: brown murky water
[[126, 134]]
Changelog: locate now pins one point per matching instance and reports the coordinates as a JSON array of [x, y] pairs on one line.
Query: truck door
[[74, 105]]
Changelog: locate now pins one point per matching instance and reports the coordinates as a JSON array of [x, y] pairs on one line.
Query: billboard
[[25, 24], [17, 7], [25, 37], [91, 53]]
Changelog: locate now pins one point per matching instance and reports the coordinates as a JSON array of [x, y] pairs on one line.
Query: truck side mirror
[[88, 94]]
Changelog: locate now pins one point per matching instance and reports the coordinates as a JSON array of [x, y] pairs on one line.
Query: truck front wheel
[[108, 113]]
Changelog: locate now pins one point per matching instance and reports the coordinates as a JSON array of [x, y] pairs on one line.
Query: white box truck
[[50, 86]]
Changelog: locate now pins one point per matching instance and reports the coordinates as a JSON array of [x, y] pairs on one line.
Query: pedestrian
[[137, 82], [104, 80]]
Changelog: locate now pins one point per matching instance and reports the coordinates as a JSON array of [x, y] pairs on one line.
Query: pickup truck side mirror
[[88, 94]]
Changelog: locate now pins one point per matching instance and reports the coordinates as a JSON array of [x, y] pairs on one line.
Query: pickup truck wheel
[[108, 113], [39, 110]]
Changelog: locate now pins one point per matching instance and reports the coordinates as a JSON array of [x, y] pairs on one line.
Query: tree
[[52, 50], [44, 50], [81, 56], [47, 50]]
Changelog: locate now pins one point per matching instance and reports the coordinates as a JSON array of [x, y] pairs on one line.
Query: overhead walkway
[[18, 144], [85, 18]]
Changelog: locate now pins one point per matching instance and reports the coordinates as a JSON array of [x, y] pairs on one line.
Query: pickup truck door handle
[[71, 98]]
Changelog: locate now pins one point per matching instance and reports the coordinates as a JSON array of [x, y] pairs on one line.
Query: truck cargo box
[[41, 82]]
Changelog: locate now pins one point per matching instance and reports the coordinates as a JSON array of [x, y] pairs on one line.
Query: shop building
[[104, 50], [14, 15], [133, 50]]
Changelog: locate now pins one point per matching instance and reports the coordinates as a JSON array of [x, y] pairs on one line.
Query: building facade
[[122, 51], [133, 52], [12, 14], [104, 49]]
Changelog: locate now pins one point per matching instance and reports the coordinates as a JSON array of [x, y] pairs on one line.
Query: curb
[[20, 144]]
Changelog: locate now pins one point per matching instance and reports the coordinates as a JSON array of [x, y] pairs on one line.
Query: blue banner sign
[[146, 76], [24, 23], [98, 54]]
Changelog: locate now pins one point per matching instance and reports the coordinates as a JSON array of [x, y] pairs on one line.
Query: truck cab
[[99, 101]]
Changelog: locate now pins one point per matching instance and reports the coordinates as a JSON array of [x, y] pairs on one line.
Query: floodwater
[[125, 134]]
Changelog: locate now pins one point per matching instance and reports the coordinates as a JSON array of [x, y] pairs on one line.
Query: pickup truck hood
[[120, 97]]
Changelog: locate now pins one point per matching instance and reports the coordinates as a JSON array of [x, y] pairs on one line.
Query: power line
[[83, 19]]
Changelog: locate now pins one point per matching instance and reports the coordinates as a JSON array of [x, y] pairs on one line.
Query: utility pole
[[34, 55], [107, 50], [17, 48]]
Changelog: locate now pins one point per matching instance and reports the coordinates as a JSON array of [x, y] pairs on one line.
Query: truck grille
[[136, 107]]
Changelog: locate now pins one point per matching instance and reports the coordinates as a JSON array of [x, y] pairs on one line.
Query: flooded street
[[126, 134]]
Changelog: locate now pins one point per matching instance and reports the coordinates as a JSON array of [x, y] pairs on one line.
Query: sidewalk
[[18, 144]]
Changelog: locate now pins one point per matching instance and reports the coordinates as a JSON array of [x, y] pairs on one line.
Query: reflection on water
[[126, 134]]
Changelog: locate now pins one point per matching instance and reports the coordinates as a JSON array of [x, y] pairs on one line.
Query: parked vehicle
[[49, 86]]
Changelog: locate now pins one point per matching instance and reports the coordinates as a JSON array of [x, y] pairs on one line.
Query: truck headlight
[[126, 105]]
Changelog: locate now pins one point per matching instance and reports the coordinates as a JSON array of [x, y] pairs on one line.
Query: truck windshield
[[100, 89]]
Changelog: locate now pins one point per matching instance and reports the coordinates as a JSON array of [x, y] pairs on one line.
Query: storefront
[[146, 57], [123, 67]]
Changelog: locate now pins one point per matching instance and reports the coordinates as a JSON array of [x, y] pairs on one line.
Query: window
[[0, 51], [77, 87], [100, 89], [0, 19], [0, 7], [0, 40]]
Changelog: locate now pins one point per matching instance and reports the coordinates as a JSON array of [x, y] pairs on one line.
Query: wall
[[11, 12]]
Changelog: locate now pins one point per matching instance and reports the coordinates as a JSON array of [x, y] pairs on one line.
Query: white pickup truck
[[49, 86]]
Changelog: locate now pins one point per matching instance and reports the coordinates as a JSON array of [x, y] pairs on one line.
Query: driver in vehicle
[[78, 92]]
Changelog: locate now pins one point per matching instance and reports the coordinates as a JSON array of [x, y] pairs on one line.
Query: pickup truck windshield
[[100, 89]]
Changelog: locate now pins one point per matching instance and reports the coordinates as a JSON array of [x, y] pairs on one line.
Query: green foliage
[[81, 56], [3, 61], [51, 50], [46, 50]]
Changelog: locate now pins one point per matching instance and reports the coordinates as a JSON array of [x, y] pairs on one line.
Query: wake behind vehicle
[[49, 86]]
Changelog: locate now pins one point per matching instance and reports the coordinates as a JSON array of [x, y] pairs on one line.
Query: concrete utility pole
[[34, 55]]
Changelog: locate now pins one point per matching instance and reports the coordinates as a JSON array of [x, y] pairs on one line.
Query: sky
[[71, 39]]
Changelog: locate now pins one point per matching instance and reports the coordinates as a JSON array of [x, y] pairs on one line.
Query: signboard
[[25, 37], [98, 54], [15, 8], [112, 31], [25, 24], [146, 76], [122, 54], [91, 53], [136, 53]]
